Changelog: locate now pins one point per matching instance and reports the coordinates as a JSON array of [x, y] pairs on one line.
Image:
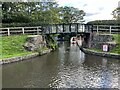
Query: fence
[[64, 28], [20, 30], [106, 29]]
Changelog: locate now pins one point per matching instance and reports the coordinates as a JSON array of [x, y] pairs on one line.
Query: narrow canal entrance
[[67, 67]]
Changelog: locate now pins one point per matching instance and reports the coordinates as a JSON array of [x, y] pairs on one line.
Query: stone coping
[[21, 58]]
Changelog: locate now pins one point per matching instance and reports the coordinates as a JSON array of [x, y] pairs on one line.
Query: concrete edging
[[21, 58], [103, 54]]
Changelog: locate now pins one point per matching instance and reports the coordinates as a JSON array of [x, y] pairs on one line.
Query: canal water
[[67, 67]]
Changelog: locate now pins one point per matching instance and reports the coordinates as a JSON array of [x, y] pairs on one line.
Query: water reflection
[[67, 67]]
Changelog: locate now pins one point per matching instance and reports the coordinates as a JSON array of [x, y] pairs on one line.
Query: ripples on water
[[67, 67]]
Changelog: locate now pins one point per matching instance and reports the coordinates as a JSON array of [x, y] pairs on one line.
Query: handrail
[[20, 27], [23, 30]]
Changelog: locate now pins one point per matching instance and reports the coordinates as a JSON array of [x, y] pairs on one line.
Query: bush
[[105, 22], [30, 24]]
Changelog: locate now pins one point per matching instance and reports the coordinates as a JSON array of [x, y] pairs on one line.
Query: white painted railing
[[106, 28], [20, 30]]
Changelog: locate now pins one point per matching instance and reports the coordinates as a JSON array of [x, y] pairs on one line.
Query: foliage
[[21, 24], [41, 49], [72, 15], [117, 48], [12, 46], [28, 13], [51, 42], [105, 22], [117, 38], [116, 13]]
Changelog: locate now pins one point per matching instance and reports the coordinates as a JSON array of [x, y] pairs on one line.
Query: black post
[[56, 28], [63, 28], [91, 28], [88, 27], [48, 27], [70, 28], [77, 27]]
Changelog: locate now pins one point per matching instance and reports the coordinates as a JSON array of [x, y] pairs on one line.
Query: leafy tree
[[104, 22], [72, 15], [39, 13], [14, 12], [116, 13], [46, 12]]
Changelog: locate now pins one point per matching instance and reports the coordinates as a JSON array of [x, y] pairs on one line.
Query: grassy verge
[[117, 38], [12, 46], [117, 48]]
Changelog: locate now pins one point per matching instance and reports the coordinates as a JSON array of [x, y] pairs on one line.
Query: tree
[[72, 15], [24, 12], [116, 13], [48, 12], [14, 12], [39, 13]]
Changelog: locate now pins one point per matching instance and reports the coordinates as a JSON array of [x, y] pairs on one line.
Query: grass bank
[[12, 46], [117, 48]]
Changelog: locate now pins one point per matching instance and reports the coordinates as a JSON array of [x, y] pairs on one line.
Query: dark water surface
[[66, 67]]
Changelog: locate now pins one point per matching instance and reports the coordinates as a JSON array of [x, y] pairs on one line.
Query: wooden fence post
[[97, 28], [110, 29], [23, 31], [8, 31], [37, 30]]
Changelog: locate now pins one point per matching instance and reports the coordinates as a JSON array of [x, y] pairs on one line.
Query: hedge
[[105, 22], [21, 24]]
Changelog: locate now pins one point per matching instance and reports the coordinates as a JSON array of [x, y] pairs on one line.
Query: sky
[[94, 9]]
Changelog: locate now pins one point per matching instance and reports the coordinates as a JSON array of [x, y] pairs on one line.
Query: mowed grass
[[12, 46]]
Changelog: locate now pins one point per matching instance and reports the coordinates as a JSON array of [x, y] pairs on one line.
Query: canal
[[67, 67]]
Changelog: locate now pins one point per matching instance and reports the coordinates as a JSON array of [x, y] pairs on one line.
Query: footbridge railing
[[67, 28]]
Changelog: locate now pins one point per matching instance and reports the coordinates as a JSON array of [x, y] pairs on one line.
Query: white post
[[110, 29], [8, 31], [23, 31], [37, 31], [97, 29], [83, 28]]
